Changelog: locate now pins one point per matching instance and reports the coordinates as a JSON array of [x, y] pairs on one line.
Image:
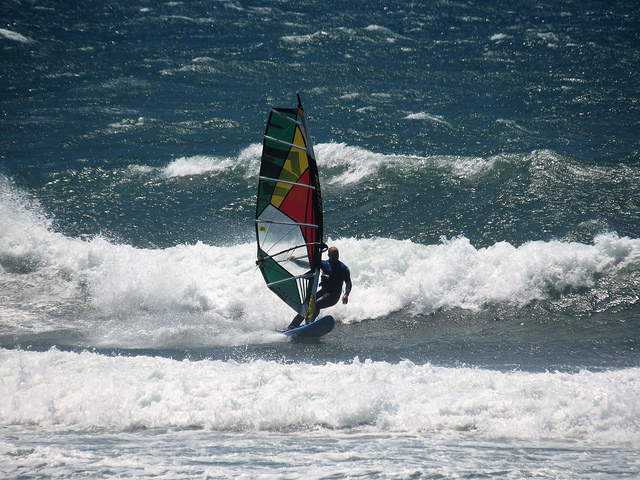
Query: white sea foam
[[127, 123], [85, 391], [250, 157], [377, 28], [393, 275], [14, 36], [359, 163], [196, 165], [300, 39], [429, 117], [387, 34], [206, 295], [512, 124], [349, 165], [390, 35], [343, 164], [547, 36], [498, 36]]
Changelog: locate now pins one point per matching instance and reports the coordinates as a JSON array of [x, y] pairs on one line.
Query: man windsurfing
[[334, 275]]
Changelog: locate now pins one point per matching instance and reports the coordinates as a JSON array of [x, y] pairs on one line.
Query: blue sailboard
[[316, 329]]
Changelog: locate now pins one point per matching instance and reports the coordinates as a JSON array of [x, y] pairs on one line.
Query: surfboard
[[316, 329]]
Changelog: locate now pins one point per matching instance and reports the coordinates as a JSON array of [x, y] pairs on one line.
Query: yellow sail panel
[[299, 139], [294, 166], [280, 191]]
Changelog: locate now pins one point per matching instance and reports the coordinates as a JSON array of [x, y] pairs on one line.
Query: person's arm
[[347, 286], [299, 261]]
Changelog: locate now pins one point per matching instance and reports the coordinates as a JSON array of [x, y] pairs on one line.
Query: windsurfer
[[334, 275]]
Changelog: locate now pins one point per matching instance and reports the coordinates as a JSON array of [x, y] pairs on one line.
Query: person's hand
[[345, 298]]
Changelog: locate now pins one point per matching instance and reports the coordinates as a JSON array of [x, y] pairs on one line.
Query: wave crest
[[92, 391]]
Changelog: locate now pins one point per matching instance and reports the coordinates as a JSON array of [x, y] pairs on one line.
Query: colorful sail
[[289, 211]]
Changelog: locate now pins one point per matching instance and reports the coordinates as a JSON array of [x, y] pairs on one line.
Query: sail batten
[[291, 249], [277, 113], [289, 210], [291, 145], [278, 180], [297, 224], [291, 279]]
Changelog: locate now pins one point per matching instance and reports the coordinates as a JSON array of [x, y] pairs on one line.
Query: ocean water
[[480, 164]]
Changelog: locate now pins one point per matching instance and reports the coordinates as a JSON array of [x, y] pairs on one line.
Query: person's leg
[[319, 295], [325, 300], [295, 323], [297, 320]]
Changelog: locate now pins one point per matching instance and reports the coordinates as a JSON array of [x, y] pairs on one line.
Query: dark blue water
[[480, 164]]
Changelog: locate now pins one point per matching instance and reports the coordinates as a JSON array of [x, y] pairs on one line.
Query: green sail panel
[[288, 216]]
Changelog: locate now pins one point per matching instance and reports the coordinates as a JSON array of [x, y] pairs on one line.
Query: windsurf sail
[[289, 211]]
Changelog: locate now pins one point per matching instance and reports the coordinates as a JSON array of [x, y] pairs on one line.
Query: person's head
[[333, 254]]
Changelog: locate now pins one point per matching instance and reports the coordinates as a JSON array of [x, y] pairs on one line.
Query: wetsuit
[[334, 275]]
